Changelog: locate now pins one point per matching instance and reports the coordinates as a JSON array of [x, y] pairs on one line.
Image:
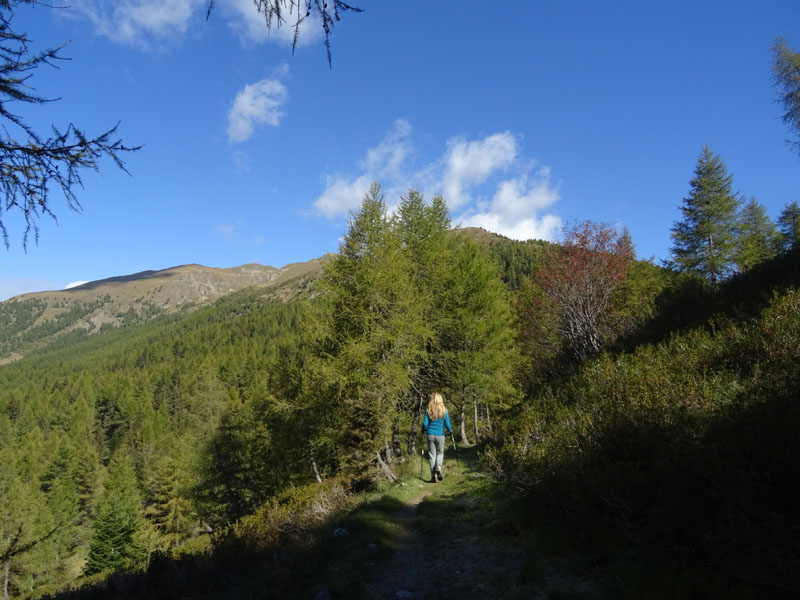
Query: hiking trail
[[437, 549]]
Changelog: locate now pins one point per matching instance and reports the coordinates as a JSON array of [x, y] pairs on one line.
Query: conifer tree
[[12, 520], [704, 241], [291, 417], [85, 477], [758, 238], [26, 527], [366, 332], [789, 226], [62, 505], [786, 74], [166, 508], [230, 484], [423, 231], [477, 338], [113, 541]]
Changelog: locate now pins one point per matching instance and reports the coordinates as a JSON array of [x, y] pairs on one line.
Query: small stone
[[340, 532]]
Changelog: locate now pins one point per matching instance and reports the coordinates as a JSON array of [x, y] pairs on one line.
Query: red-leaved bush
[[579, 276]]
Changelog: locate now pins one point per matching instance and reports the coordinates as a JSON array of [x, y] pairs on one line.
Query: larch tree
[[367, 328], [167, 509], [293, 13], [789, 226], [423, 231], [758, 237], [477, 336], [786, 75], [231, 479], [704, 240]]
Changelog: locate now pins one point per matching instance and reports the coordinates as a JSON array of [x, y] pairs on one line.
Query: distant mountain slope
[[33, 320]]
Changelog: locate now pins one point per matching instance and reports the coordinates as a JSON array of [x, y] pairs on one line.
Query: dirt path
[[439, 547], [407, 576]]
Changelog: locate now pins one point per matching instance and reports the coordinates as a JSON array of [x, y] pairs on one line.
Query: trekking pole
[[455, 449], [421, 456]]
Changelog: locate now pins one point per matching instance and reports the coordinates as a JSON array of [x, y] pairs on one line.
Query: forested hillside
[[38, 319], [641, 415], [129, 416]]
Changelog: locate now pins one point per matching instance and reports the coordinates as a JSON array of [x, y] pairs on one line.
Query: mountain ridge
[[31, 320]]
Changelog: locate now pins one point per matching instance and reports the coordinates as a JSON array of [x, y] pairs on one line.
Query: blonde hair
[[436, 409]]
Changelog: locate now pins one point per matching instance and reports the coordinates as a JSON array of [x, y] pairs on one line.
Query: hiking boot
[[433, 477], [439, 475]]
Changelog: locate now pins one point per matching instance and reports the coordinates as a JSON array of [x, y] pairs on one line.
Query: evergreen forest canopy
[[577, 363]]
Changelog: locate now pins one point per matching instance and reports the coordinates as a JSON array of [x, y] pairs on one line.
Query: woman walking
[[436, 418]]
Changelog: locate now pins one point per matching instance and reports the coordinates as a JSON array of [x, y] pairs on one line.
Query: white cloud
[[143, 22], [251, 25], [74, 284], [387, 158], [140, 21], [468, 171], [471, 163], [258, 103], [514, 208], [342, 196], [545, 228], [383, 163]]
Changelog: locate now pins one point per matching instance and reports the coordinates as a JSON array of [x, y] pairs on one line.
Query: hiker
[[436, 417]]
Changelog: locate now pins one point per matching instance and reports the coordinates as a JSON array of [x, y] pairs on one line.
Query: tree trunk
[[313, 462], [464, 439], [6, 568], [387, 452], [475, 417], [7, 571], [488, 417], [397, 448], [412, 435], [387, 472]]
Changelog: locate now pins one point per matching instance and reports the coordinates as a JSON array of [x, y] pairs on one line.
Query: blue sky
[[523, 114]]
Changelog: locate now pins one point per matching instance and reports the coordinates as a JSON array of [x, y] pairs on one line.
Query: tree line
[[720, 234]]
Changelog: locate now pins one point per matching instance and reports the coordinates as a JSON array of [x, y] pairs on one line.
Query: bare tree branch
[[294, 13], [31, 165]]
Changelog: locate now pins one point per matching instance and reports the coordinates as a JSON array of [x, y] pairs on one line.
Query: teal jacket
[[436, 427]]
